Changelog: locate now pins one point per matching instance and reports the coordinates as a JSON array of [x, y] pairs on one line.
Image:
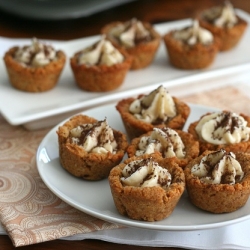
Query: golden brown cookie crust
[[243, 146], [143, 53], [148, 203], [219, 198], [227, 37], [78, 162], [136, 127], [184, 56], [100, 78], [191, 148], [33, 79]]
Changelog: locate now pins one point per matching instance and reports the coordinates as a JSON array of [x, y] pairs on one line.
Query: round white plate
[[94, 198]]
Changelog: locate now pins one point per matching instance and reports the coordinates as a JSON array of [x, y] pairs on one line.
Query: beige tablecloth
[[29, 211]]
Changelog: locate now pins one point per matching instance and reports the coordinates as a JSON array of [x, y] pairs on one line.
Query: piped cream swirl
[[96, 138], [194, 34], [145, 173], [101, 53], [35, 55], [219, 167], [165, 140], [157, 105], [223, 128], [130, 33], [222, 16]]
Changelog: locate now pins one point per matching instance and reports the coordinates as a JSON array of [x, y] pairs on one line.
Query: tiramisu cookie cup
[[219, 181], [146, 188], [138, 38], [88, 148], [223, 129], [191, 48], [173, 145], [157, 109], [225, 25], [100, 67], [34, 68]]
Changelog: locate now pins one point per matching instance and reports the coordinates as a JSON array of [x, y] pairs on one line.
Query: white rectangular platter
[[36, 110]]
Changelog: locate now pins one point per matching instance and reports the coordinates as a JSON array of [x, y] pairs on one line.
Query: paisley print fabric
[[29, 211]]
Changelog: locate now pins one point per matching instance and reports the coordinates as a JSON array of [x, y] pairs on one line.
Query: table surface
[[153, 11]]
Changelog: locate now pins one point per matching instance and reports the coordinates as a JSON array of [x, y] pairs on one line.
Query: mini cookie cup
[[185, 56], [219, 198], [227, 38], [143, 53], [147, 203], [135, 127], [33, 79], [82, 164], [100, 78]]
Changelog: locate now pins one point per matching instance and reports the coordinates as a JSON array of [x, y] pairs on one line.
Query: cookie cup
[[227, 37], [135, 127], [219, 198], [144, 52], [243, 146], [100, 78], [33, 79], [184, 56], [147, 203], [191, 148], [82, 164]]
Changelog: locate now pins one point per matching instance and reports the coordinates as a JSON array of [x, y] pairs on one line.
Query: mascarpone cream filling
[[157, 105], [101, 53], [194, 34], [145, 173], [95, 138], [35, 55], [166, 140], [130, 33], [223, 128], [219, 167], [222, 16]]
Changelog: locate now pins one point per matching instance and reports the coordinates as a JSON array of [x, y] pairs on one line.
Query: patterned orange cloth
[[29, 211]]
